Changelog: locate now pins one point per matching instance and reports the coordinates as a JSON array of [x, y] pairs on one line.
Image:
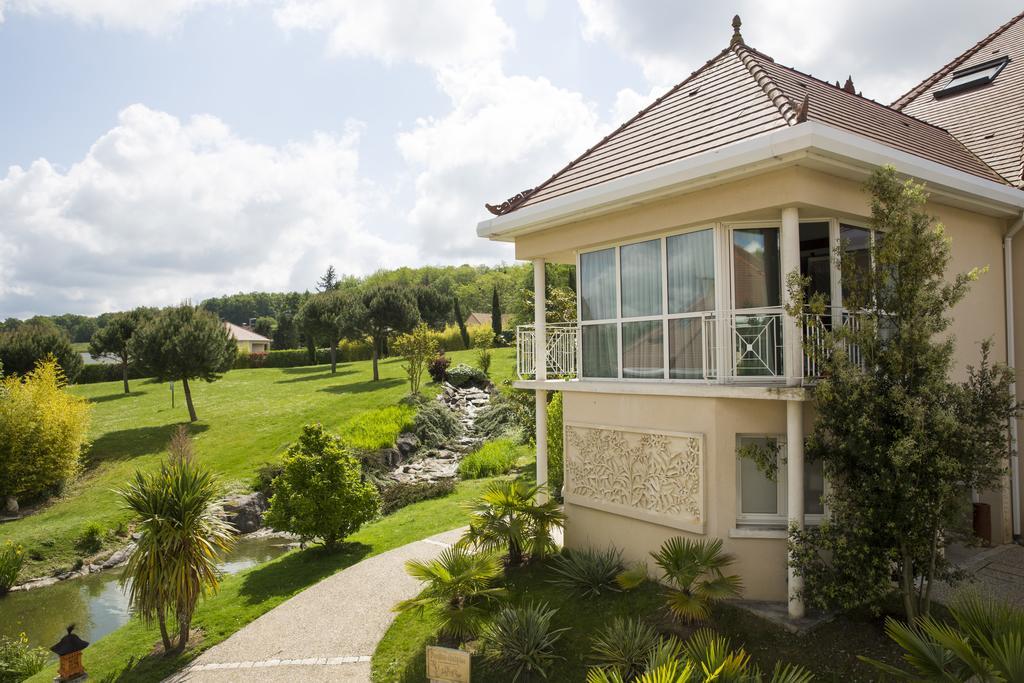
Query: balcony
[[733, 347]]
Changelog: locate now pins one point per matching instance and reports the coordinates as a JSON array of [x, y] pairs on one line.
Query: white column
[[790, 253], [540, 372], [795, 494]]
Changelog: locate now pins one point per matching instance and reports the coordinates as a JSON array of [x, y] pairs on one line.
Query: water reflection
[[95, 603]]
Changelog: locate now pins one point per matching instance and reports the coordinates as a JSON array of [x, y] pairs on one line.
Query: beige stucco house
[[682, 224], [248, 341]]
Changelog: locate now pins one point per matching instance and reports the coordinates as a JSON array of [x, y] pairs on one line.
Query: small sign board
[[445, 665]]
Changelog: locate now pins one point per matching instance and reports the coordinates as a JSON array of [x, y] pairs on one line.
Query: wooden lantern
[[69, 649]]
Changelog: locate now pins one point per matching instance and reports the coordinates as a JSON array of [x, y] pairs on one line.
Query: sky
[[158, 151]]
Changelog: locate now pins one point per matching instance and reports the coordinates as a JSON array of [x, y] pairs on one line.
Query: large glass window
[[686, 348], [763, 501], [641, 278], [597, 285], [757, 280], [642, 351], [856, 244]]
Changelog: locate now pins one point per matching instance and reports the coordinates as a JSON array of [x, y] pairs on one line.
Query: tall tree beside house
[[30, 342], [114, 339], [286, 334], [902, 444], [461, 321], [323, 317], [265, 326], [495, 313], [184, 343], [328, 281], [386, 309]]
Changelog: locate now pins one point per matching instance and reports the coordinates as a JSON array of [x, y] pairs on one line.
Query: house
[[682, 224], [248, 341], [484, 319]]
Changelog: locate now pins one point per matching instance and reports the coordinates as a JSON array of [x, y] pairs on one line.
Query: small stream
[[96, 604]]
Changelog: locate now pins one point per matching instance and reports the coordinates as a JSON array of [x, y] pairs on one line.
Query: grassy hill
[[247, 418]]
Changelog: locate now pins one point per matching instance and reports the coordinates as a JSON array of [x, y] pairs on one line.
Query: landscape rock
[[407, 443], [11, 506], [119, 557], [245, 512]]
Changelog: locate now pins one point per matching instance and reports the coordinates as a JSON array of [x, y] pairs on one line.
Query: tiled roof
[[239, 333], [739, 94], [988, 119]]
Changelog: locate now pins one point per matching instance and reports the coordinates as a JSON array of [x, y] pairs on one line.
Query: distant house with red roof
[[248, 341]]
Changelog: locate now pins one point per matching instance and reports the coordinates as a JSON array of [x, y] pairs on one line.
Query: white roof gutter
[[811, 138]]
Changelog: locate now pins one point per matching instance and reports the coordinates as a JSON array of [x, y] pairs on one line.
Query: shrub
[[693, 571], [373, 430], [556, 449], [321, 492], [91, 539], [417, 348], [29, 344], [483, 342], [588, 572], [399, 494], [496, 418], [18, 660], [507, 518], [492, 458], [464, 375], [623, 647], [438, 368], [12, 558], [263, 481], [42, 432], [458, 584], [435, 424], [521, 640], [106, 372]]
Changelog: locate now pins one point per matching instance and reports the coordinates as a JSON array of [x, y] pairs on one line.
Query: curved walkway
[[328, 632]]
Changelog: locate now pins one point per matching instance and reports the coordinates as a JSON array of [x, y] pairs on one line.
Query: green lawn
[[126, 654], [829, 651], [246, 418]]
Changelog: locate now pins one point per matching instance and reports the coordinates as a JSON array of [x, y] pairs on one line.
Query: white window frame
[[781, 518]]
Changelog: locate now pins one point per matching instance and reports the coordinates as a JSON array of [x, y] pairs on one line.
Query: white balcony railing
[[747, 347], [561, 350]]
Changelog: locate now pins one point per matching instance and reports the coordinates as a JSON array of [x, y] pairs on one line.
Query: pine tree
[[328, 281], [496, 313], [462, 324]]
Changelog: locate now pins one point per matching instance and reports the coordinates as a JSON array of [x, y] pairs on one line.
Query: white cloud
[[160, 210], [153, 16], [433, 33]]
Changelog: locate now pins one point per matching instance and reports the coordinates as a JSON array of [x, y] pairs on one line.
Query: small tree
[[483, 342], [901, 443], [460, 320], [182, 534], [321, 491], [328, 281], [184, 343], [114, 339], [495, 313], [418, 348], [387, 309], [27, 344], [435, 306], [42, 432], [323, 317]]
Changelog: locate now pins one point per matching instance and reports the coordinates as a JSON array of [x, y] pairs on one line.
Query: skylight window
[[973, 76]]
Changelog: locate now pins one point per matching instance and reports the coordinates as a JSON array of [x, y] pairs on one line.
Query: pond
[[96, 604]]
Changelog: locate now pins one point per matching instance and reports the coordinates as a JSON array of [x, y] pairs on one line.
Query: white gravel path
[[328, 632]]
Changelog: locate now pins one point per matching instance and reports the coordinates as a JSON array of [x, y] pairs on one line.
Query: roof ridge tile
[[771, 88]]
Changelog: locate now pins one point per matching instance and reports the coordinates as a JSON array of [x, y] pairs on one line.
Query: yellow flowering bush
[[42, 431]]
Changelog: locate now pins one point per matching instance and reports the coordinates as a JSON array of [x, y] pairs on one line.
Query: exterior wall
[[761, 562]]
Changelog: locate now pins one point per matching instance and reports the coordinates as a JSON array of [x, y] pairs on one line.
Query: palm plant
[[507, 518], [705, 657], [985, 643], [182, 534], [521, 640], [458, 584], [694, 572]]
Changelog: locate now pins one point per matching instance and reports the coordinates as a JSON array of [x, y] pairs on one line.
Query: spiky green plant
[[624, 646], [507, 518], [459, 583], [182, 535], [588, 571], [521, 640], [986, 643], [694, 572]]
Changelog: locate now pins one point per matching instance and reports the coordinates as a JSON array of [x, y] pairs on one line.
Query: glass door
[[756, 321]]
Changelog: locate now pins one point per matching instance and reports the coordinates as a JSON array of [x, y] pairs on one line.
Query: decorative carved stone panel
[[654, 476]]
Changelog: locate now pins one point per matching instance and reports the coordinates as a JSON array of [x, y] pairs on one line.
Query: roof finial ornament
[[848, 86], [737, 38]]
